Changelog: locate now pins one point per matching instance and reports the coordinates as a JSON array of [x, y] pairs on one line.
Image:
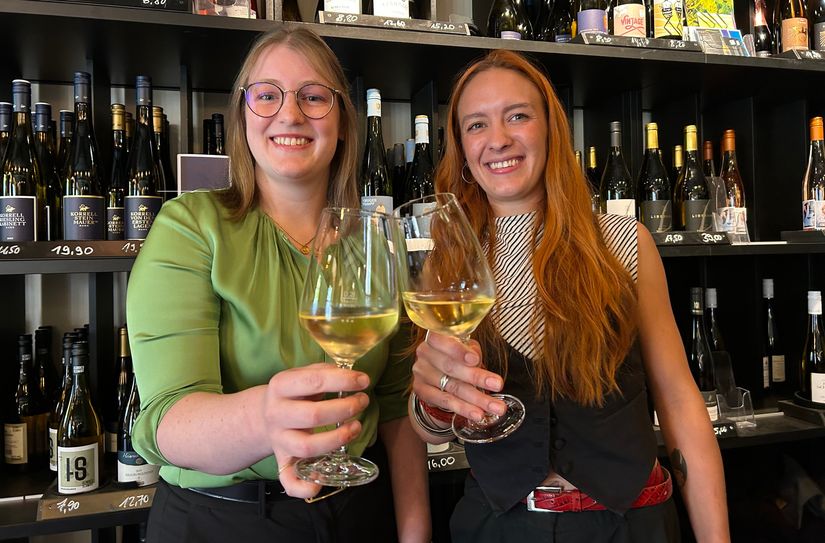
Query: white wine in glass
[[349, 304], [447, 287]]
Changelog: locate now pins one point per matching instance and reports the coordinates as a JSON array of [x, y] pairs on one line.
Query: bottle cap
[[409, 150], [143, 88], [616, 134], [373, 94], [616, 126], [710, 298], [21, 94], [5, 117], [696, 296], [20, 85], [82, 87], [143, 82], [729, 141], [707, 150], [816, 129], [80, 348], [422, 119], [814, 302], [691, 128], [651, 126], [24, 340], [42, 116], [217, 118], [767, 288]]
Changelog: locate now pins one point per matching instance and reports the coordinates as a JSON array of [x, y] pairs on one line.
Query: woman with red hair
[[581, 329]]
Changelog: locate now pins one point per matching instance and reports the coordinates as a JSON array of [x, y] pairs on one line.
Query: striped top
[[516, 296]]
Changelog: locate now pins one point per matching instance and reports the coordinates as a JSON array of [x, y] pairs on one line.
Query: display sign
[[111, 498], [599, 38], [719, 41], [690, 238]]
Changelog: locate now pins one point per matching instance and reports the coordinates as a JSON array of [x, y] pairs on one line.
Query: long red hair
[[586, 298]]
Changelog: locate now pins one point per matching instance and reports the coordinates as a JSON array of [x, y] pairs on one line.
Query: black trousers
[[473, 521], [362, 513]]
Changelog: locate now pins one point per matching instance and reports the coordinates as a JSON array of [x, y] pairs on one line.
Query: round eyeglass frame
[[245, 92]]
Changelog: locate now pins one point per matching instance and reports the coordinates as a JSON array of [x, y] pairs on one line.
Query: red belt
[[548, 499]]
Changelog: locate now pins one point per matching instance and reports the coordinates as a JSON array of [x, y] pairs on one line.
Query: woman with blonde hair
[[233, 391], [581, 329]]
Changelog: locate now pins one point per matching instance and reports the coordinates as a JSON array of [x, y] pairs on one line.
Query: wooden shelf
[[674, 251], [67, 257]]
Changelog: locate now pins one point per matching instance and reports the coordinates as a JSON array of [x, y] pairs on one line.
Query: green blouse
[[212, 306]]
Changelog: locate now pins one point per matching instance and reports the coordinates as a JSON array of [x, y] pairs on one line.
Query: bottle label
[[778, 373], [794, 34], [562, 38], [667, 18], [391, 8], [114, 223], [77, 469], [813, 215], [629, 20], [52, 448], [132, 467], [657, 215], [373, 107], [16, 441], [591, 20], [381, 204], [766, 374], [83, 217], [733, 219], [818, 387], [18, 217], [711, 404], [697, 216], [625, 207], [111, 442], [140, 213], [819, 37], [343, 6], [510, 35]]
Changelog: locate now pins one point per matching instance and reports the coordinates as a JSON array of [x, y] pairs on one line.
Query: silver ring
[[442, 384]]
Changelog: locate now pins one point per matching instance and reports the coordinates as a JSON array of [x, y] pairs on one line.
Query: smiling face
[[289, 147], [503, 125]]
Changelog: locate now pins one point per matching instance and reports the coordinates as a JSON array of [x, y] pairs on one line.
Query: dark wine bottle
[[118, 180], [129, 125], [708, 166], [594, 179], [560, 23], [700, 358], [628, 19], [65, 142], [5, 128], [48, 166], [65, 390], [164, 166], [816, 20], [813, 355], [23, 195], [217, 128], [691, 199], [667, 19], [80, 436], [508, 20], [123, 381], [616, 189], [676, 166], [537, 12], [20, 424], [420, 180], [762, 38], [773, 358], [208, 139], [733, 213], [376, 188], [142, 202], [399, 170], [813, 184], [790, 26], [714, 332], [653, 189], [45, 371], [591, 16], [166, 154], [83, 203], [131, 467]]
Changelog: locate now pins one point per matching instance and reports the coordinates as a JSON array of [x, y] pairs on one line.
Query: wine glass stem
[[343, 363]]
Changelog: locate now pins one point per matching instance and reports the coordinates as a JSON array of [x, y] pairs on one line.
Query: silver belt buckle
[[531, 498]]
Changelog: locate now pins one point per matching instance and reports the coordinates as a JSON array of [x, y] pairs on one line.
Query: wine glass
[[349, 304], [447, 287]]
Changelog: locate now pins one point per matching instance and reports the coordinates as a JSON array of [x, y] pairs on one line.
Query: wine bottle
[[217, 127], [20, 425], [23, 194], [129, 124], [676, 165], [616, 186], [208, 140], [667, 19], [813, 355], [816, 19], [65, 142], [714, 333], [591, 16], [773, 359], [691, 199], [700, 358], [559, 26], [655, 208], [420, 180], [813, 184], [5, 128], [118, 180], [507, 20], [762, 39], [708, 166], [79, 437], [164, 166], [593, 177], [123, 376], [60, 407], [629, 19], [46, 155], [733, 214], [83, 203], [790, 25], [409, 154], [44, 368], [399, 170], [536, 12], [376, 189], [131, 467], [142, 202]]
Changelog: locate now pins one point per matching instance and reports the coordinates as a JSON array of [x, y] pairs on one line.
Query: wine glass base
[[493, 427], [337, 470]]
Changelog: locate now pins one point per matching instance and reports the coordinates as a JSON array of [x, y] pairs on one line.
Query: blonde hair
[[342, 189], [586, 298]]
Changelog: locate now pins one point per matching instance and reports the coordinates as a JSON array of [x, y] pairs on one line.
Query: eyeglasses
[[266, 99]]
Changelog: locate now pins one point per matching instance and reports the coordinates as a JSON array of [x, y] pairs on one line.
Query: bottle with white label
[[813, 184], [813, 355], [130, 465], [617, 191], [65, 391], [420, 179], [80, 435], [733, 213], [628, 19], [376, 186], [21, 424], [700, 358], [773, 359]]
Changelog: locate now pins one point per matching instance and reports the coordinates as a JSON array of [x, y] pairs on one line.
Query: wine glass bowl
[[447, 287], [349, 304]]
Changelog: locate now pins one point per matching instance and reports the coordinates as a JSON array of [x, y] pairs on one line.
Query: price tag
[[712, 239], [73, 250], [154, 3], [724, 430], [690, 238], [440, 463], [397, 23], [131, 247], [9, 250], [345, 18], [639, 42], [806, 54], [136, 502], [599, 38], [442, 27], [67, 505]]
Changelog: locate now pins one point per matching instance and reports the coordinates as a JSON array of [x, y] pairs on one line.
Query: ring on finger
[[442, 384]]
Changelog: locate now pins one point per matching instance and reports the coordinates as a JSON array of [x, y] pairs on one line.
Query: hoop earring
[[462, 174]]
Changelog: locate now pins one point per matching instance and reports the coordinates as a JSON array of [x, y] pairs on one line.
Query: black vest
[[608, 452]]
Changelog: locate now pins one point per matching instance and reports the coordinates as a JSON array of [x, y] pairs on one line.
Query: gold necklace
[[303, 247]]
